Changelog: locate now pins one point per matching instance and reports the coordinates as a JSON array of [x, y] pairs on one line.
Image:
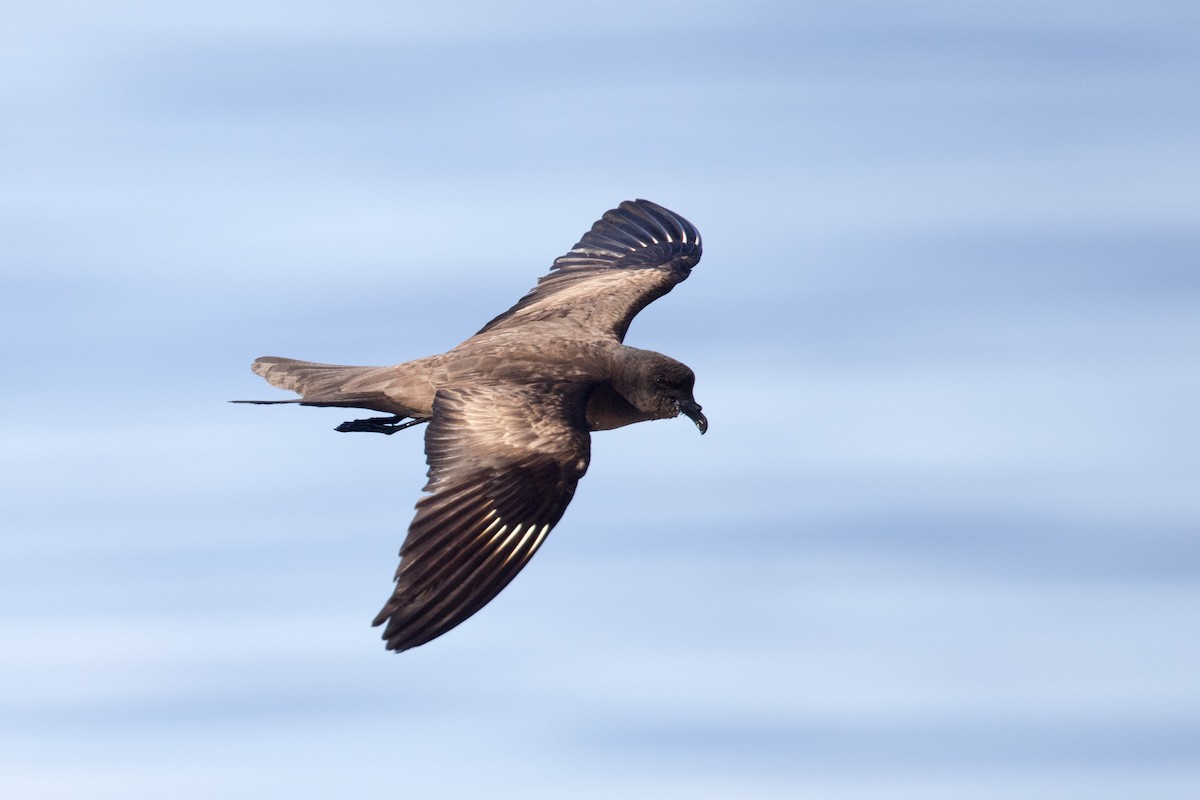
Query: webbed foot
[[384, 425]]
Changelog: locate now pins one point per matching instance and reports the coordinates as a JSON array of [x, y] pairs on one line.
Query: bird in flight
[[510, 412]]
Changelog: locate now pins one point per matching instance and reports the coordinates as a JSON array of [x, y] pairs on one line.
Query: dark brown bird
[[510, 411]]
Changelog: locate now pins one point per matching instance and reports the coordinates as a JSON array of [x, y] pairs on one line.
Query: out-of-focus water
[[941, 541]]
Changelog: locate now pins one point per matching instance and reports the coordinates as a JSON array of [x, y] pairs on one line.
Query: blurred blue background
[[941, 541]]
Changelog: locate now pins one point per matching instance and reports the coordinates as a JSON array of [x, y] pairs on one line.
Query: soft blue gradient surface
[[941, 541]]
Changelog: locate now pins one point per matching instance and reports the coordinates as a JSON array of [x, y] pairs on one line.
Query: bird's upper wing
[[503, 464], [632, 256]]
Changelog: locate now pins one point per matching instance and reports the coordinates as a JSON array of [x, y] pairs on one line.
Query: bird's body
[[510, 410]]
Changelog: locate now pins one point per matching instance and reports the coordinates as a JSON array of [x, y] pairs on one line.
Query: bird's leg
[[385, 425]]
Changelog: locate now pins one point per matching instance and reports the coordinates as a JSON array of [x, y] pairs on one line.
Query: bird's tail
[[323, 384]]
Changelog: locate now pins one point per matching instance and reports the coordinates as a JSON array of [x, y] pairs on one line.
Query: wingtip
[[392, 635], [676, 227], [635, 233]]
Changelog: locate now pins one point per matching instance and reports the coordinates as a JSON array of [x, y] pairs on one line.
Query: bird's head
[[659, 387]]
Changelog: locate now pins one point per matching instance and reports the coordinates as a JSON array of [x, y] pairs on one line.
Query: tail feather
[[323, 384]]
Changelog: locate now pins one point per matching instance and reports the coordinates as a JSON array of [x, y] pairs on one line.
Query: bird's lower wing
[[503, 465]]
